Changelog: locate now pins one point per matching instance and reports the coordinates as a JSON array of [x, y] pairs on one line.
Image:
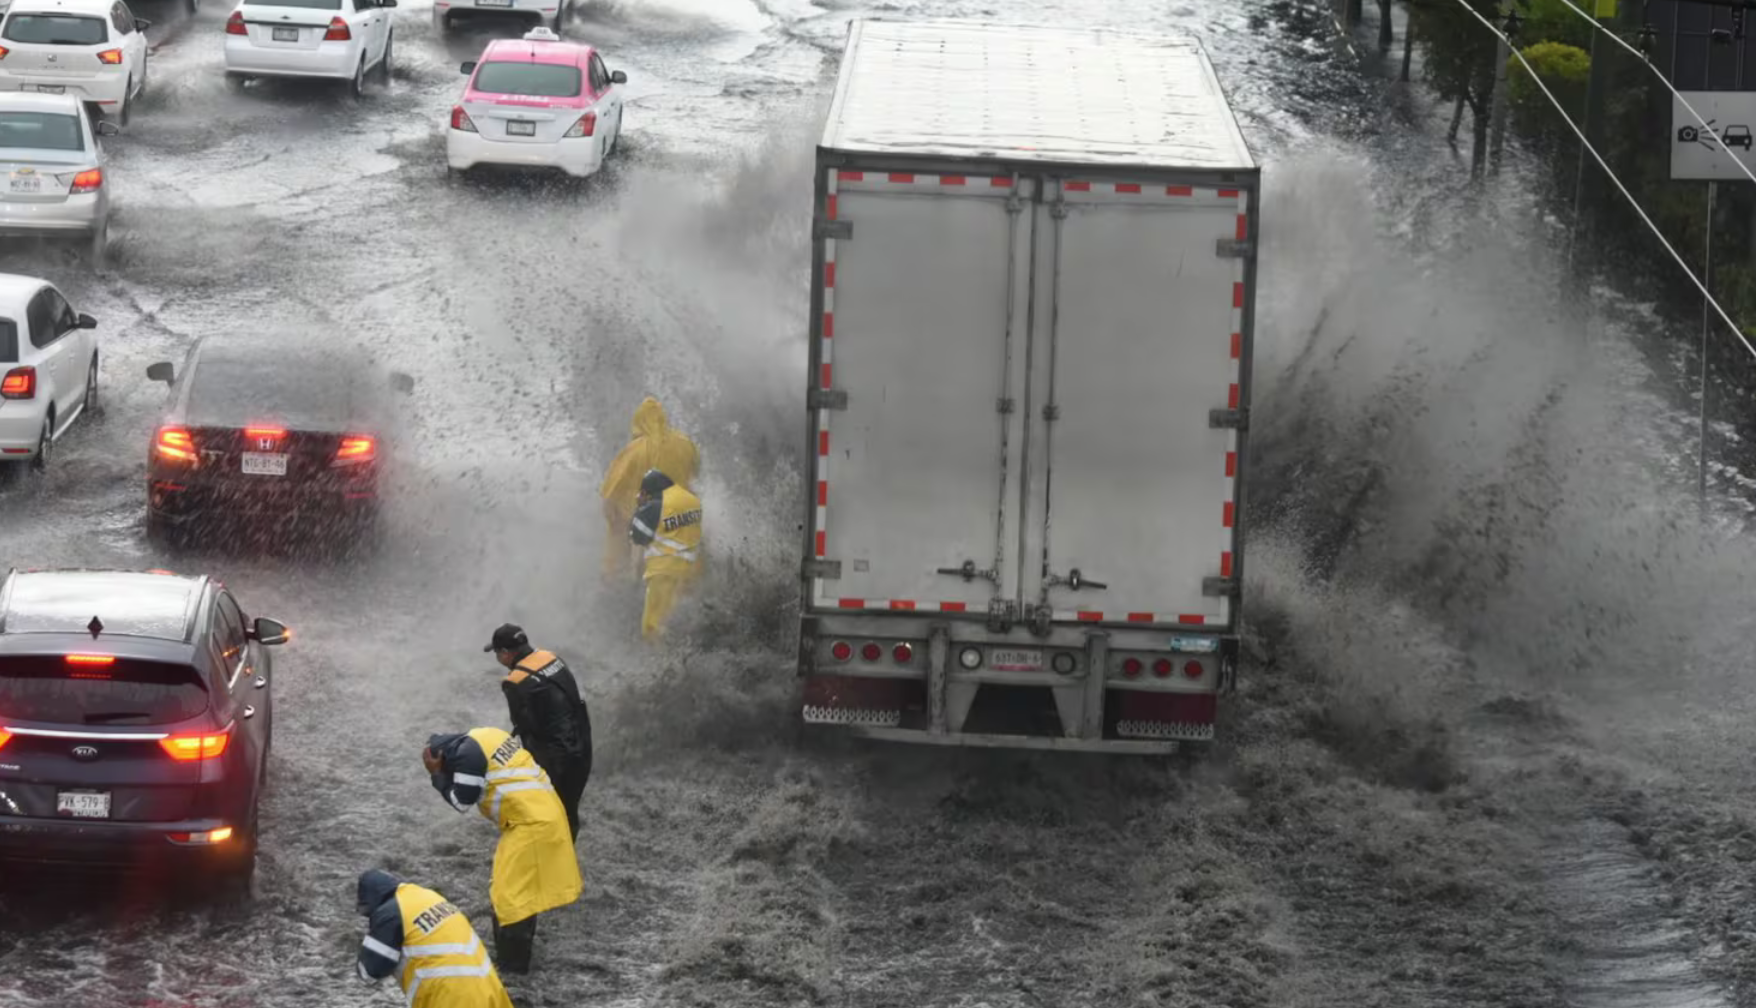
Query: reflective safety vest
[[676, 542], [514, 781], [444, 964]]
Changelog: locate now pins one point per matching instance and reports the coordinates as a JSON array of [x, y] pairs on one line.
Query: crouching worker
[[535, 868], [428, 943]]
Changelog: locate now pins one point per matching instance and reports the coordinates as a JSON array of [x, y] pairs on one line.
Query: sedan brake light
[[3, 51], [185, 748], [91, 659], [235, 24], [460, 120], [175, 443], [584, 127], [113, 57], [19, 383], [88, 181], [356, 448], [338, 31], [5, 737]]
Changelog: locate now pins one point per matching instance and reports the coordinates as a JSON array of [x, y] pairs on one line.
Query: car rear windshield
[[233, 390], [85, 691], [55, 29], [42, 130], [302, 4], [8, 341], [540, 80]]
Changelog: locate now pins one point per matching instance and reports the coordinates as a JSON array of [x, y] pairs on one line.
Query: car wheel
[[45, 445], [358, 85], [235, 82], [99, 248], [94, 406], [126, 112], [384, 64], [616, 137], [239, 882]]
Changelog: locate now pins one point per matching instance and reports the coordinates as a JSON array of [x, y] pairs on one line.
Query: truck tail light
[[1131, 667], [19, 383], [1163, 667], [842, 650], [185, 748], [235, 24], [584, 127], [175, 443], [870, 651], [1192, 669], [338, 31], [460, 120], [902, 653]]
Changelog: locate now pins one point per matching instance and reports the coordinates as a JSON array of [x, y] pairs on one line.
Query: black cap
[[510, 637]]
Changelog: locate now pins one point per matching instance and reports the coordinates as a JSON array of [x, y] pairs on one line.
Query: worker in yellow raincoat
[[656, 445], [425, 939], [668, 524], [535, 867]]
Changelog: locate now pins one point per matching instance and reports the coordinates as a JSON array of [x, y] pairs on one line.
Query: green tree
[[1459, 61], [1566, 71]]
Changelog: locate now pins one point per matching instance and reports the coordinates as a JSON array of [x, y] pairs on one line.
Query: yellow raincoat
[[656, 445], [673, 557], [535, 866], [444, 963]]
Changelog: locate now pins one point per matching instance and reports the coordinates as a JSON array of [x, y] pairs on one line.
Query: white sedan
[[48, 368], [94, 50], [338, 39], [52, 169]]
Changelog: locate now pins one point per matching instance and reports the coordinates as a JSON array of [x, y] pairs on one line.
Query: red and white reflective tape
[[892, 605], [1177, 193], [1098, 616], [825, 381], [910, 180], [1234, 370]]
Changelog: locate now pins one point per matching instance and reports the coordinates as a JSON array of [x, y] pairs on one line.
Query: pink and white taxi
[[537, 102]]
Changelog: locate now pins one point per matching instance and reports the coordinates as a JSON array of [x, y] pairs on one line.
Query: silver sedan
[[52, 169]]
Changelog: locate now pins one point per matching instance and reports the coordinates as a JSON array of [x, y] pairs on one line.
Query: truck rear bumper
[[1119, 746]]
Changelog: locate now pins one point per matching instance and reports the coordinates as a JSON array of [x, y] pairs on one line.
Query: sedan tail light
[[460, 120], [235, 24], [220, 835], [3, 51], [113, 57], [19, 383], [356, 448], [5, 737], [185, 748], [88, 181], [175, 443], [584, 127], [338, 31]]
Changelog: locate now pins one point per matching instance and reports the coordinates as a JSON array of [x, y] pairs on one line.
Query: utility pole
[[1706, 325], [1502, 56]]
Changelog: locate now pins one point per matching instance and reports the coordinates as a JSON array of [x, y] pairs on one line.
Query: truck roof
[[1021, 92]]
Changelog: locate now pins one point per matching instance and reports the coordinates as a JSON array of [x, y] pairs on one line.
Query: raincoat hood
[[649, 419], [376, 886]]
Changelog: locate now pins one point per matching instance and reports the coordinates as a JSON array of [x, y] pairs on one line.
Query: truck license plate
[[1008, 660], [83, 804], [265, 464]]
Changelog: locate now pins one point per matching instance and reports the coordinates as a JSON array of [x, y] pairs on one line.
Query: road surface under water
[[1361, 837]]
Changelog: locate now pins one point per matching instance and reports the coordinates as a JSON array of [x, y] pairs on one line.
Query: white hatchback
[[48, 368], [337, 39], [94, 50], [52, 169]]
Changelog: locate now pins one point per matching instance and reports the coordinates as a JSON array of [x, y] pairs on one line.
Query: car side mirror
[[269, 632], [469, 67], [105, 127], [142, 24], [162, 371], [401, 382], [618, 77], [87, 322]]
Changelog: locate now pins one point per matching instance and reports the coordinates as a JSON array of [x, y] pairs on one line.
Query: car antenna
[[96, 626]]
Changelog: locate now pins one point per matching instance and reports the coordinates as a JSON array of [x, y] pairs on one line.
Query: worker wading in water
[[535, 867], [656, 445], [668, 524], [428, 943], [548, 714]]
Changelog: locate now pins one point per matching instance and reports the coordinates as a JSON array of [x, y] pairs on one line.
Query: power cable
[[1656, 233], [1619, 40]]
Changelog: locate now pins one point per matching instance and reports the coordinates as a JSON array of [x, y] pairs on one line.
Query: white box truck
[[1029, 386]]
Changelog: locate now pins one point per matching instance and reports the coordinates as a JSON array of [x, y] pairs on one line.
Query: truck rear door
[[924, 312], [1139, 337]]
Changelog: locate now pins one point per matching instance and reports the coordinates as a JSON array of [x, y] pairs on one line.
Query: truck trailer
[[1032, 298]]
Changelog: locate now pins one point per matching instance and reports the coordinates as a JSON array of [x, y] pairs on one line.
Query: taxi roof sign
[[542, 35]]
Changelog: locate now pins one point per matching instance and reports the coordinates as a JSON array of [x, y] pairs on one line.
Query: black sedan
[[258, 429]]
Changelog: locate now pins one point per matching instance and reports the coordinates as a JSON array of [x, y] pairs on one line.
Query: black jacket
[[547, 712]]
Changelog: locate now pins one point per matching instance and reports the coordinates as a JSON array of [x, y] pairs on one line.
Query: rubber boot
[[513, 944]]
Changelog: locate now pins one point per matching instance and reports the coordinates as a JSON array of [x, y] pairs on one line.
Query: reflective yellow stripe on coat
[[676, 543], [444, 963], [535, 867]]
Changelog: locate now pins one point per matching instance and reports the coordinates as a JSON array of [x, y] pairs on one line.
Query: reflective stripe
[[456, 802], [467, 778], [437, 949], [523, 785], [439, 972], [374, 945], [642, 526], [514, 772]]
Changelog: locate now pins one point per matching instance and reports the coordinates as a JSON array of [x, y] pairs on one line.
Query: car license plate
[[32, 183], [493, 3], [51, 89], [516, 128], [265, 464], [1006, 660], [286, 34], [83, 804]]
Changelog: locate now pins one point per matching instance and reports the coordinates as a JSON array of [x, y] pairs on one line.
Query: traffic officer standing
[[548, 715], [443, 963], [668, 524], [655, 445], [535, 867]]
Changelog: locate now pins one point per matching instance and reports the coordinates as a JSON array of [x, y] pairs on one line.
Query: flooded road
[[1354, 840]]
